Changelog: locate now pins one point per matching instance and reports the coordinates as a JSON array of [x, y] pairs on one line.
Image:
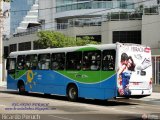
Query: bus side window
[[58, 61], [108, 62], [44, 61], [21, 62], [92, 60], [31, 62], [74, 60]]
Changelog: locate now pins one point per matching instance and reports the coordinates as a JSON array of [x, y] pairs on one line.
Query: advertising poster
[[135, 70]]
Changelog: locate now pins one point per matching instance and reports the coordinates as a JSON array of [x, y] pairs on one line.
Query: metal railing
[[151, 11], [97, 21], [28, 31], [79, 22], [118, 16], [62, 26]]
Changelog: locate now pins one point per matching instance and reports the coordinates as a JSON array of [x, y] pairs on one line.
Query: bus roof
[[69, 49]]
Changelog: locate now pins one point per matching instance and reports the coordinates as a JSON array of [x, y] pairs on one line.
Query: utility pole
[[1, 46]]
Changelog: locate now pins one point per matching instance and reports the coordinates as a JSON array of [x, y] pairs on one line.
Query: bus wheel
[[21, 89], [72, 93]]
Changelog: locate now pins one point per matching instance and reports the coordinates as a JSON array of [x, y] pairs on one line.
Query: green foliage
[[85, 40], [57, 39]]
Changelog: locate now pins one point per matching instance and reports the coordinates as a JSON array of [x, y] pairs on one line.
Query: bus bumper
[[141, 92]]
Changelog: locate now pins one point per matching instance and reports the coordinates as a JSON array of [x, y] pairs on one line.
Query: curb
[[140, 101], [151, 102]]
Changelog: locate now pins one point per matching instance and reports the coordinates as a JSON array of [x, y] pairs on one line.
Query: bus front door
[[11, 67]]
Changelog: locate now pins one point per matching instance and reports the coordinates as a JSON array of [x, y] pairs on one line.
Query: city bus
[[102, 72]]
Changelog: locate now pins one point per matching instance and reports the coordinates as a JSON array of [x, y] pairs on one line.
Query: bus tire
[[21, 88], [72, 93]]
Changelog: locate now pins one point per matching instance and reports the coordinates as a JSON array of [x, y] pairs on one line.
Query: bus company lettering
[[137, 49], [140, 49]]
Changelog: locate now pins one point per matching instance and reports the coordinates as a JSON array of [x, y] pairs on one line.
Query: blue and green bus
[[92, 71]]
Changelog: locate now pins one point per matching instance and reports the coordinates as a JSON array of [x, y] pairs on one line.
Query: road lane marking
[[64, 118]]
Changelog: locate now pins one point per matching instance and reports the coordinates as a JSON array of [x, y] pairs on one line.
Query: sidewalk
[[153, 99], [154, 96], [3, 84]]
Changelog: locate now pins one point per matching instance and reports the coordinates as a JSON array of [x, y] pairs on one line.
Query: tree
[[85, 40], [57, 39]]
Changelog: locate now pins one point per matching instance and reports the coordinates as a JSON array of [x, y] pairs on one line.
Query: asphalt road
[[50, 107]]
